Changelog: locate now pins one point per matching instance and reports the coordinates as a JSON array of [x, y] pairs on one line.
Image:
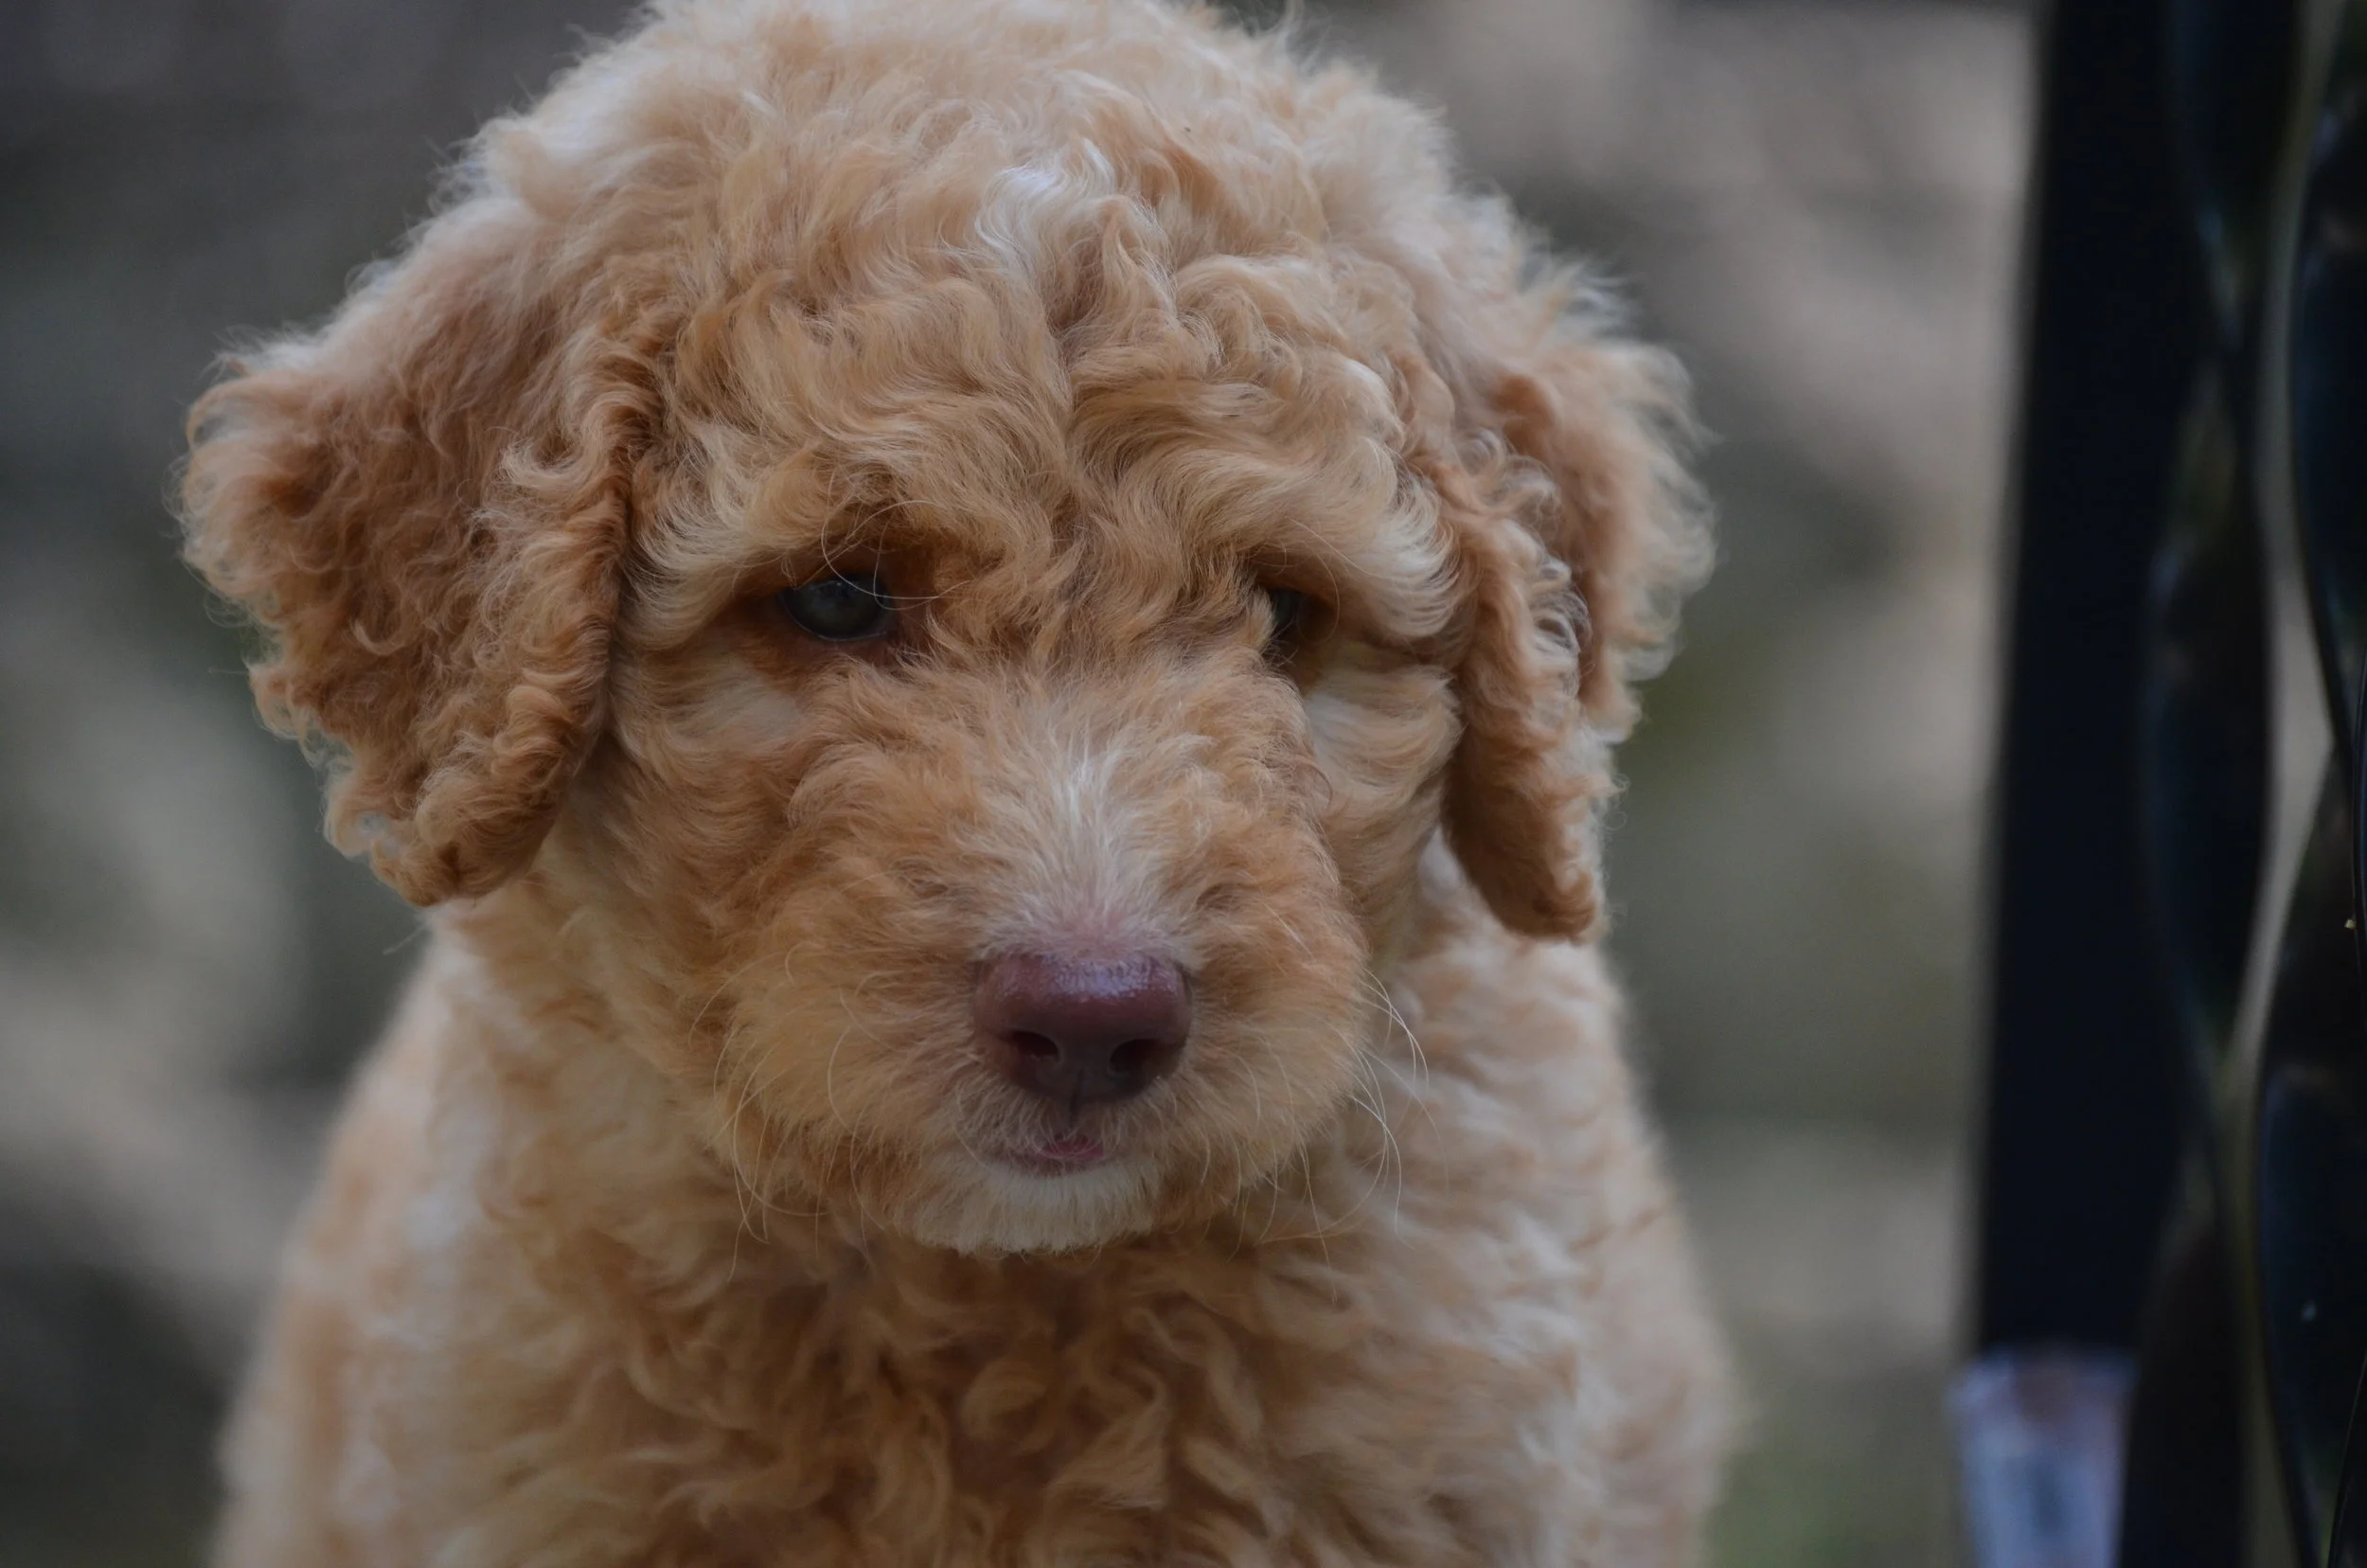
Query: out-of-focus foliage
[[1816, 200]]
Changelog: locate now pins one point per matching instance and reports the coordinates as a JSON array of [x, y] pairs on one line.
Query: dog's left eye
[[841, 608], [1287, 617]]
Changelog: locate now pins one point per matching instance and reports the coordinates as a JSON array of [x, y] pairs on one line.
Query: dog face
[[1026, 780], [953, 563]]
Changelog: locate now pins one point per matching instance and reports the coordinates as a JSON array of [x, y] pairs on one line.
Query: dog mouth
[[1061, 1155]]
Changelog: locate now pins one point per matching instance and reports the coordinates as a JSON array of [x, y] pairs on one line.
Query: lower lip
[[1059, 1156]]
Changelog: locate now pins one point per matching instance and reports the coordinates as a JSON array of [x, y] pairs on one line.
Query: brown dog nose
[[1084, 1030]]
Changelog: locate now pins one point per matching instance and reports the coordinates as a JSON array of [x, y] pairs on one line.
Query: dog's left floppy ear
[[1576, 533], [425, 505]]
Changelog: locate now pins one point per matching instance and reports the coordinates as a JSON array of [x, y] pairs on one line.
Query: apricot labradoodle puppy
[[992, 628]]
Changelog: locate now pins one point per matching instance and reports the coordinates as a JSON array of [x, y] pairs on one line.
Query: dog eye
[[839, 608], [1286, 612]]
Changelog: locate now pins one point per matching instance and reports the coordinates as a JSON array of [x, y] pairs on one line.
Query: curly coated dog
[[993, 628]]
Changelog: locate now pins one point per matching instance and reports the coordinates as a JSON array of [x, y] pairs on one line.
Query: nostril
[[1133, 1057], [1032, 1045]]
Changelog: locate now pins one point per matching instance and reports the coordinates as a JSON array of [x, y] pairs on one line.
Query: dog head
[[950, 560]]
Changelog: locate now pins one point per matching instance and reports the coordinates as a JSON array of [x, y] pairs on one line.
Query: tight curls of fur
[[860, 516]]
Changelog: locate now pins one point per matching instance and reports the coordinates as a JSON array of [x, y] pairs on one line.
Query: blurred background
[[1817, 202]]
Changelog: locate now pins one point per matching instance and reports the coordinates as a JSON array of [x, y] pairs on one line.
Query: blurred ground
[[1816, 201]]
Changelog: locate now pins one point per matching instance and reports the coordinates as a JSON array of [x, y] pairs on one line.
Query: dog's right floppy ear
[[424, 506]]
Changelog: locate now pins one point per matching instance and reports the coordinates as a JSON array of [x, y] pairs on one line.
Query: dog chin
[[988, 1207]]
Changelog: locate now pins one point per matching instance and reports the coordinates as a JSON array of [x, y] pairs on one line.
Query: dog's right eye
[[1286, 612], [839, 608]]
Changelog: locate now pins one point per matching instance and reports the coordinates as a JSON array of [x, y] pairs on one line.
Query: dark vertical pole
[[2084, 1110]]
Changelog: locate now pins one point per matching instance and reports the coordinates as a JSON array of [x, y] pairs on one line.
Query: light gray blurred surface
[[1818, 203]]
